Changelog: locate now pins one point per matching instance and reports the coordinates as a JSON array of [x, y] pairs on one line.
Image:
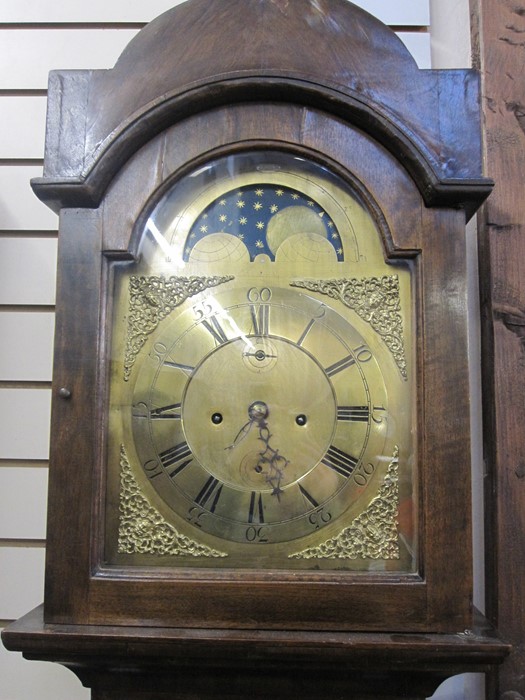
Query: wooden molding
[[197, 66]]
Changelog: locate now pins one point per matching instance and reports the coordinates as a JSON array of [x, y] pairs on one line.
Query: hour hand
[[243, 432], [257, 412]]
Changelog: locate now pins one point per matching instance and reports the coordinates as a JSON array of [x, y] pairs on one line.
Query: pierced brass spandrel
[[143, 530], [376, 300], [151, 299], [374, 533]]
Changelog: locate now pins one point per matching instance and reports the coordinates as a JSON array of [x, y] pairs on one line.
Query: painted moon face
[[217, 247], [307, 246], [290, 221]]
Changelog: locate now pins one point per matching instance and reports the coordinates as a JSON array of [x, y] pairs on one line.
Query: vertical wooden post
[[499, 49]]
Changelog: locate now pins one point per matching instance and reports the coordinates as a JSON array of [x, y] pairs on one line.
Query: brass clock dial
[[262, 397], [259, 413]]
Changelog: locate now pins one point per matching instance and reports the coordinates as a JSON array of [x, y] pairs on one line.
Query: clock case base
[[150, 663]]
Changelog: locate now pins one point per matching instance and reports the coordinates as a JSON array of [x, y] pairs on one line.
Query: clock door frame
[[340, 90], [93, 239]]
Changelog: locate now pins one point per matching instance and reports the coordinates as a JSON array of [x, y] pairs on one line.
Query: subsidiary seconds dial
[[258, 416]]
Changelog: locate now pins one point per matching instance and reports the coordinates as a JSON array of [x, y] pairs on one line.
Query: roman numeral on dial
[[339, 366], [339, 461], [353, 413], [177, 365], [260, 318], [172, 411], [214, 327], [308, 497], [209, 495], [176, 458], [256, 512], [307, 330]]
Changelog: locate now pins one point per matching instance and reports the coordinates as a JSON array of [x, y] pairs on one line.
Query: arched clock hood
[[187, 60]]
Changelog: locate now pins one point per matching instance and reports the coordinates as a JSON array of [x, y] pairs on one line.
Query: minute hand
[[271, 463]]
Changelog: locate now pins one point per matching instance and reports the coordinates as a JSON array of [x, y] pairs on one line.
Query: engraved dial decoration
[[261, 433], [260, 404]]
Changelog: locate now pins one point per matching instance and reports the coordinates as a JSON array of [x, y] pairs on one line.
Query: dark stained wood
[[437, 599], [220, 130], [325, 81], [184, 664], [73, 447], [210, 52], [445, 452], [498, 32]]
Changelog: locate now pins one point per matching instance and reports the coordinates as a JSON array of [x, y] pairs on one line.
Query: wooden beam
[[499, 49]]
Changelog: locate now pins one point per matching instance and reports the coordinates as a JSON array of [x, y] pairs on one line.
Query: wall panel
[[74, 48], [401, 12], [19, 208], [22, 135], [26, 347], [418, 43], [24, 428], [21, 580], [27, 270], [23, 493], [56, 48]]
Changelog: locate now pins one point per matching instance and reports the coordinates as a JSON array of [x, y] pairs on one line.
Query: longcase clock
[[260, 431]]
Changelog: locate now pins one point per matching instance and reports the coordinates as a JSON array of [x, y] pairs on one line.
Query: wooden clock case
[[326, 81]]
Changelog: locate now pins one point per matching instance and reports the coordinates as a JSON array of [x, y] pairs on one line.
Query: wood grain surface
[[499, 40], [328, 83]]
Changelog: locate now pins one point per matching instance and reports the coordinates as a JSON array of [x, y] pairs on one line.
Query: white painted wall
[[35, 37]]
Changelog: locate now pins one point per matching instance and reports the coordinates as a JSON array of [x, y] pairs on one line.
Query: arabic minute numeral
[[319, 518], [195, 515], [202, 310], [363, 473], [158, 352], [256, 534], [140, 410], [378, 417], [363, 353], [152, 468], [256, 296]]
